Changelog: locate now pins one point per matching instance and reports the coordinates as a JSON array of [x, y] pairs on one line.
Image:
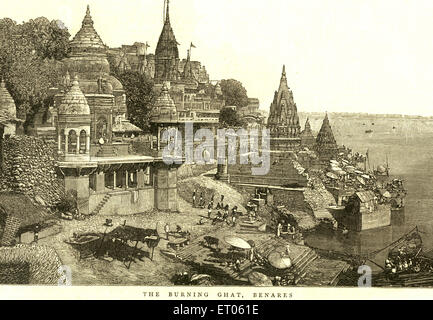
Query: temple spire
[[167, 12], [88, 18]]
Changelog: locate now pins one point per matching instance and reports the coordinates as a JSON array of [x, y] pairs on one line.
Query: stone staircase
[[101, 205], [301, 263]]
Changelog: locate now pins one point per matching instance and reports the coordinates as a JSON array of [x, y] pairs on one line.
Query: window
[[83, 141], [62, 140], [72, 142]]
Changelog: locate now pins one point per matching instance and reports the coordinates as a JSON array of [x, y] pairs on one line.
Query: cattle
[[211, 241]]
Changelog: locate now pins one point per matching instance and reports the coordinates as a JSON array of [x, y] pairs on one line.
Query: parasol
[[278, 261], [331, 175], [258, 279], [200, 277], [237, 242]]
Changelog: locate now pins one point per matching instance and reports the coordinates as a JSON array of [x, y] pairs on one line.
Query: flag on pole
[[192, 45]]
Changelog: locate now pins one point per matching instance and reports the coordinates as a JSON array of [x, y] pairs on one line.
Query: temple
[[167, 52], [283, 121], [94, 157], [326, 145], [307, 137]]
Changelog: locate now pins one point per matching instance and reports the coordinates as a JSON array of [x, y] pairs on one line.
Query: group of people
[[224, 214], [401, 262], [179, 231], [291, 230], [201, 202]]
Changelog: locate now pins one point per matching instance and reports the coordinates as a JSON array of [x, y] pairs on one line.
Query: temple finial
[[88, 18], [167, 12], [284, 69]]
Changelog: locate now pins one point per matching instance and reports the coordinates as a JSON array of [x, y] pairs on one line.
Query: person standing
[[279, 227], [252, 254], [166, 230], [201, 201], [209, 210], [193, 197]]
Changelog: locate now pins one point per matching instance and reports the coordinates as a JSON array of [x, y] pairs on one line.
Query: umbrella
[[237, 242], [331, 175], [258, 279], [278, 261], [199, 277]]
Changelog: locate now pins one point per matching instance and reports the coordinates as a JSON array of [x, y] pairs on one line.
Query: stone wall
[[29, 168], [291, 200]]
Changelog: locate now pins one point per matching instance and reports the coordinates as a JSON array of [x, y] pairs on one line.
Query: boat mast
[[387, 166]]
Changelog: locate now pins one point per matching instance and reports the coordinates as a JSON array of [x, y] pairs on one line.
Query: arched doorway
[[72, 142]]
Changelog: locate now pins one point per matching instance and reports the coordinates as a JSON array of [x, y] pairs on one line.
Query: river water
[[410, 156]]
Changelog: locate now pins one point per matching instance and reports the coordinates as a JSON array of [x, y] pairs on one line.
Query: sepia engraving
[[130, 165]]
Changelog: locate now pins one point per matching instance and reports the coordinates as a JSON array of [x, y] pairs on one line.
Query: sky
[[371, 56]]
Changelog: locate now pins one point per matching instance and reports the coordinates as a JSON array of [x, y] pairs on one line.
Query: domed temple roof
[[74, 102], [7, 103], [89, 60], [164, 101], [87, 39]]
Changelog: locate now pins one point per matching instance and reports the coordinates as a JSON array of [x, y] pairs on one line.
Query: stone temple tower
[[283, 121], [167, 52], [326, 145]]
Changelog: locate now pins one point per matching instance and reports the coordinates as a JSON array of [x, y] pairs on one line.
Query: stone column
[[66, 144], [140, 179], [114, 180], [59, 143], [159, 138], [126, 179], [100, 182], [88, 143], [77, 149]]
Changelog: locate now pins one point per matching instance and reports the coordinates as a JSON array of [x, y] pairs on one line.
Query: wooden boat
[[419, 271]]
